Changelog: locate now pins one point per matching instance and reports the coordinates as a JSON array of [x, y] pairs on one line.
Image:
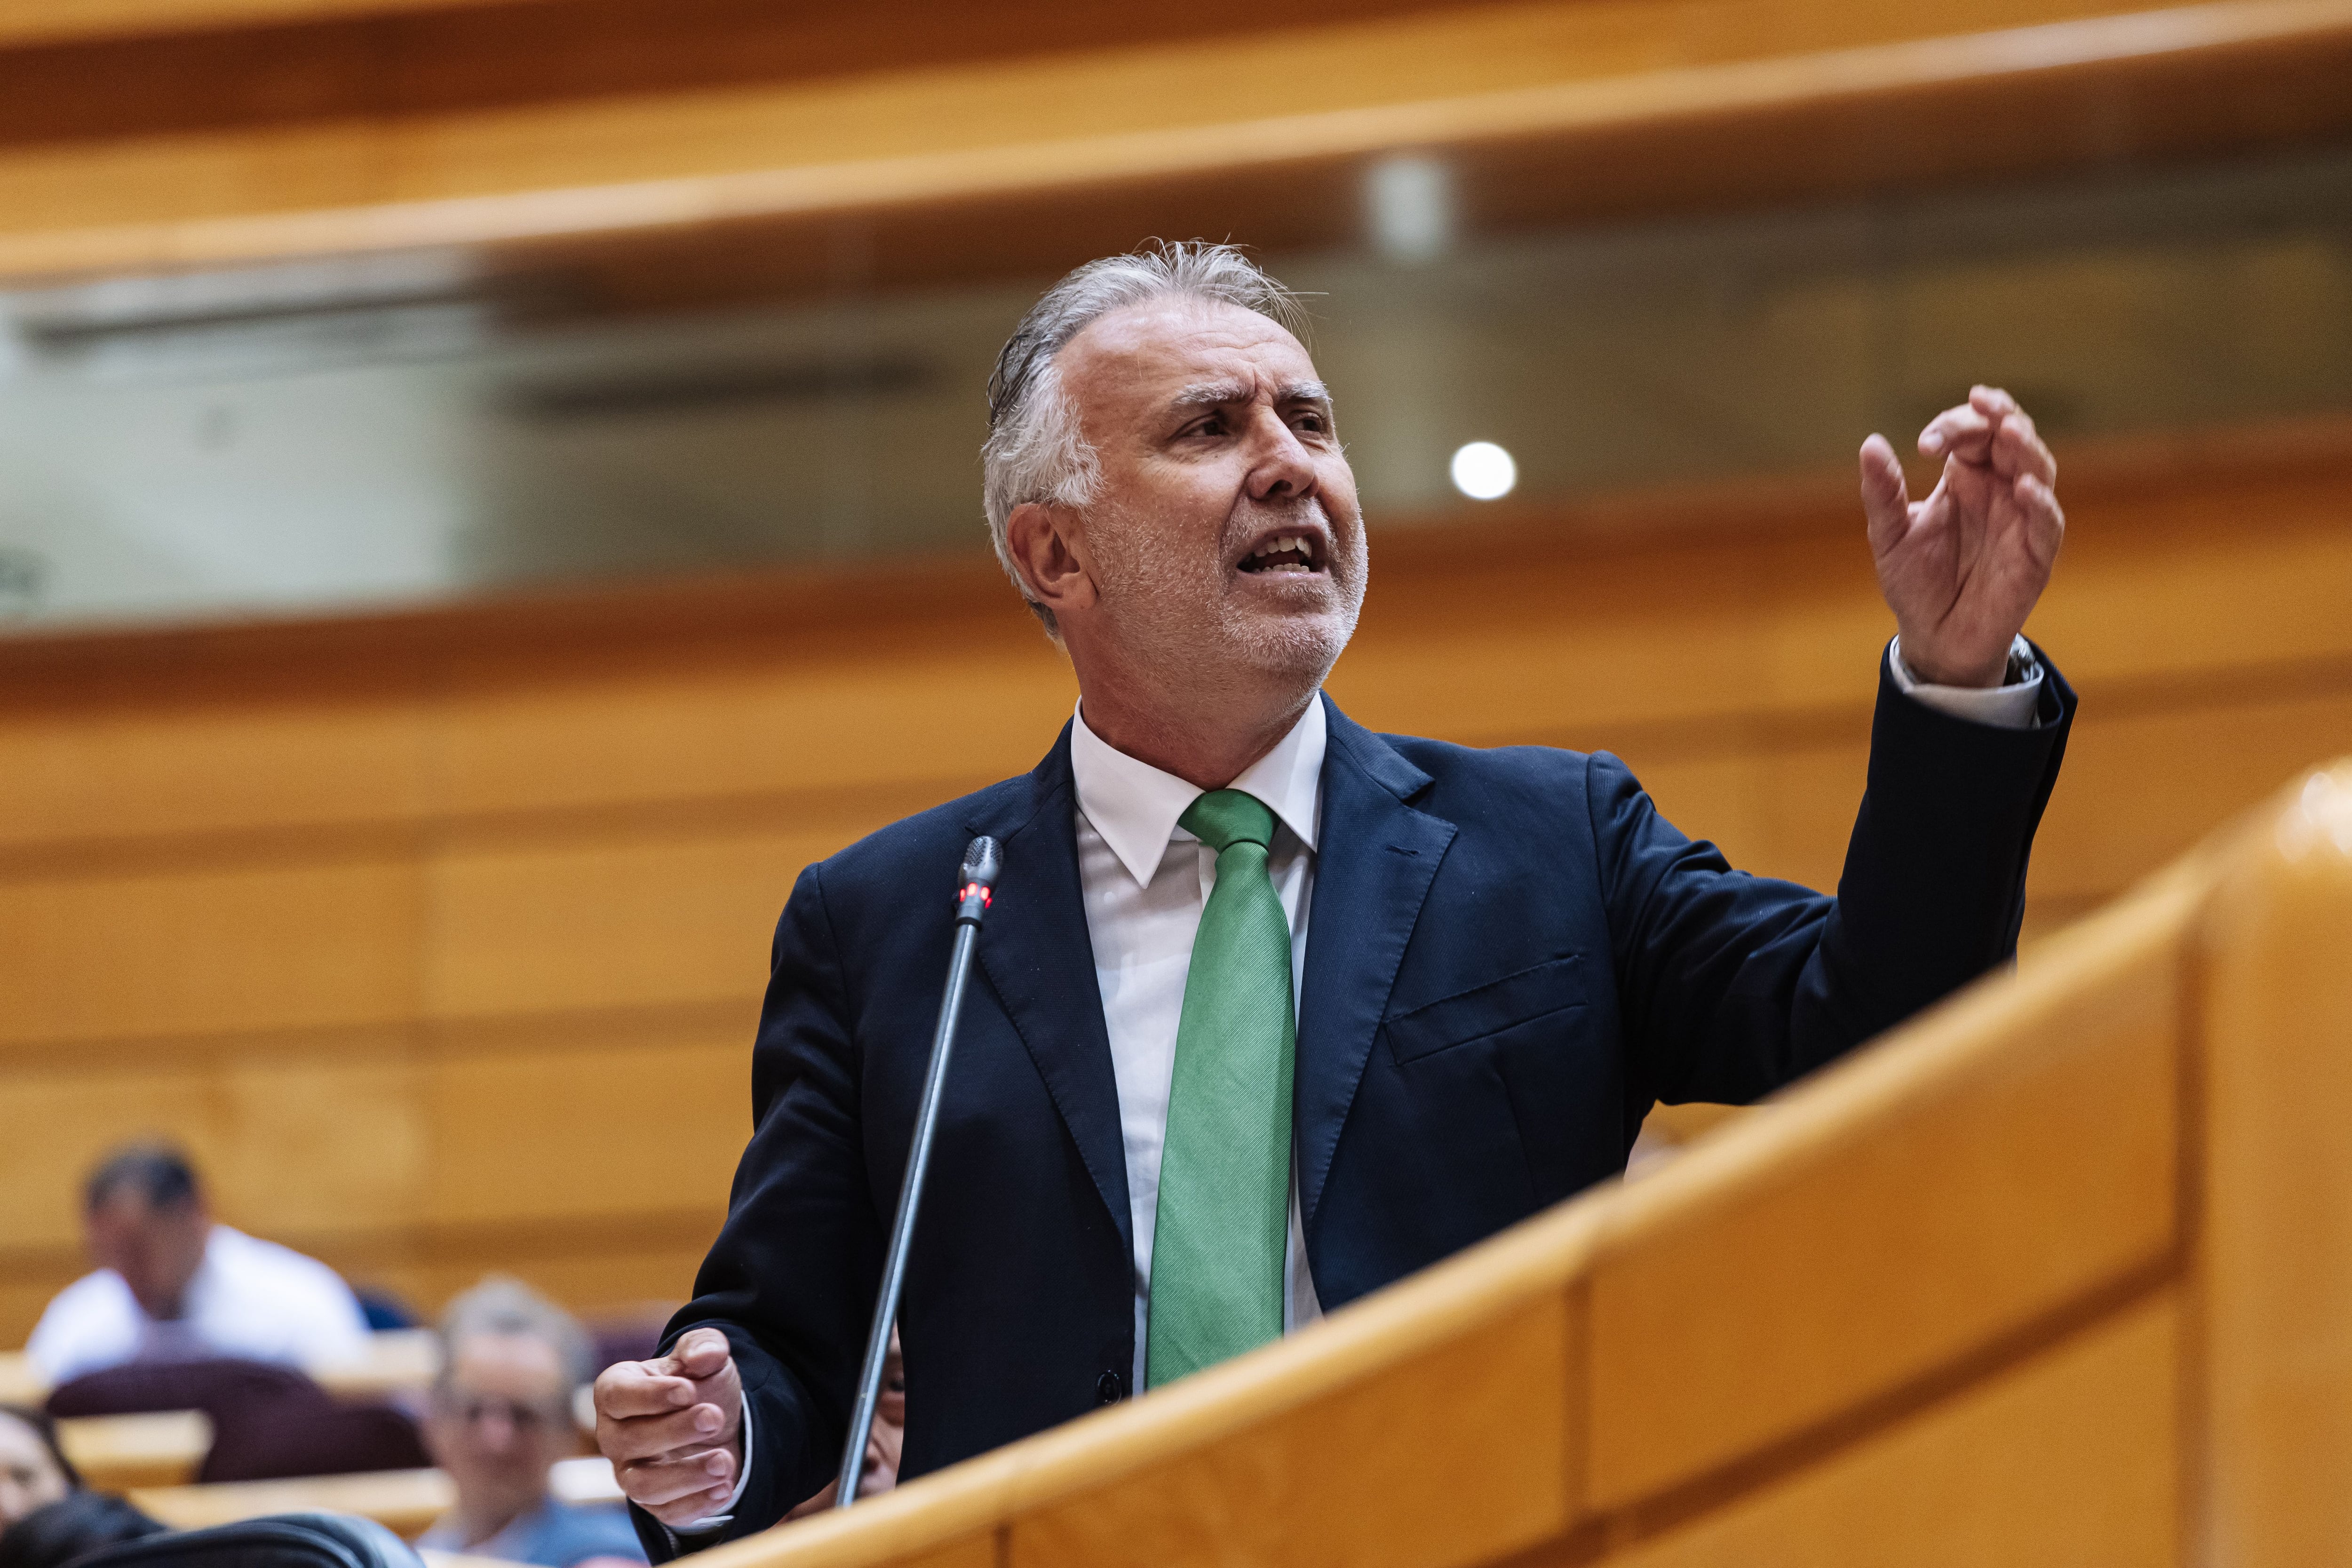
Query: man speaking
[[1272, 1010]]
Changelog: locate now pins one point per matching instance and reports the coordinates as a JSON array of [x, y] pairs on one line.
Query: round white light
[[1483, 471]]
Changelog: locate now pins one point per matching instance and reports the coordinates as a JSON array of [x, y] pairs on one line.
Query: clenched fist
[[673, 1427]]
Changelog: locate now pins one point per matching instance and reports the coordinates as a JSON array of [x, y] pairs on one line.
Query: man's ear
[[1048, 547]]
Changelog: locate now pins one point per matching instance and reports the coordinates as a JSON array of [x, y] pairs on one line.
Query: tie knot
[[1224, 817]]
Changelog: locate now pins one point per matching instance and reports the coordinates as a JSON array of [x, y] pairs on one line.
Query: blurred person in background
[[46, 1516], [882, 1443], [34, 1470], [173, 1284], [499, 1416]]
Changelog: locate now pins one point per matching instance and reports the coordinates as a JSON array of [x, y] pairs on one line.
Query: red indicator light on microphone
[[986, 898]]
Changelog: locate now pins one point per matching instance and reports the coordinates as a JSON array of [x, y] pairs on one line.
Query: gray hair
[[1035, 451], [501, 1305]]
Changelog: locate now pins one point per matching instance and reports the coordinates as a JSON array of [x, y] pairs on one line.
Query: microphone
[[984, 862]]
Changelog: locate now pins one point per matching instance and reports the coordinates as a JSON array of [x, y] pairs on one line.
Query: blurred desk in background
[[121, 1453], [405, 1501], [398, 1361], [20, 1383]]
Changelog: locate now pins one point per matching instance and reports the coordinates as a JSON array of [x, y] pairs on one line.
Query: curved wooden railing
[[2060, 1273]]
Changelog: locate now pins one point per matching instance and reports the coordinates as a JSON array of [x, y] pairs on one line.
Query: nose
[[1280, 467]]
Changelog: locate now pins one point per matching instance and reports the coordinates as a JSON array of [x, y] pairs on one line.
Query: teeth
[[1284, 544]]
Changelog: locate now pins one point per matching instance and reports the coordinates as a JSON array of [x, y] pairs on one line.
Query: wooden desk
[[405, 1501], [20, 1382], [397, 1361], [118, 1452]]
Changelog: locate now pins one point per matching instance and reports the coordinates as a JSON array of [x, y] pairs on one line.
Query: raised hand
[[1961, 570], [673, 1427]]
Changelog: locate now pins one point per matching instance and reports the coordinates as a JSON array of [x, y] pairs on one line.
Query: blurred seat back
[[277, 1541], [269, 1421]]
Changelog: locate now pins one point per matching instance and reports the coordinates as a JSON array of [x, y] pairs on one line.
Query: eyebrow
[[1213, 393]]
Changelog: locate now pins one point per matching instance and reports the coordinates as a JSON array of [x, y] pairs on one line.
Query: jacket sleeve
[[1732, 986], [791, 1278]]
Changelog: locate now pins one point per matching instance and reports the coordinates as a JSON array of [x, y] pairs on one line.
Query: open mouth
[[1286, 552]]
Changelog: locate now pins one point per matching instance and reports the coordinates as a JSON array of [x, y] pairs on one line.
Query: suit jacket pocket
[[1553, 986]]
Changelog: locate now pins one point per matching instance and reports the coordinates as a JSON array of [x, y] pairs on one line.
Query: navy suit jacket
[[1511, 956]]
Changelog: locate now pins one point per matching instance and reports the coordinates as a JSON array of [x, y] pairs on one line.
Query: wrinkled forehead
[[1130, 364]]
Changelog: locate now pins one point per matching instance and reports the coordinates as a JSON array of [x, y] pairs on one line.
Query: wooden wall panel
[[2160, 582], [2139, 786], [2071, 1458], [25, 1293], [247, 948], [80, 770], [591, 1275], [609, 925], [949, 718], [650, 1127], [2146, 786], [322, 1142], [1577, 647]]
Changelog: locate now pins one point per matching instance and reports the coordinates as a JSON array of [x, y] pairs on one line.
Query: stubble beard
[[1180, 616]]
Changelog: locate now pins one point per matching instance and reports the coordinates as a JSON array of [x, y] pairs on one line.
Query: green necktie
[[1224, 1169]]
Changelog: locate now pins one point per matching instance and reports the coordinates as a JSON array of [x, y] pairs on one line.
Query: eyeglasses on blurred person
[[498, 1417]]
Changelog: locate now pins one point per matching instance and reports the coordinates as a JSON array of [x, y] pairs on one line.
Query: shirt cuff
[[726, 1514], [2010, 707]]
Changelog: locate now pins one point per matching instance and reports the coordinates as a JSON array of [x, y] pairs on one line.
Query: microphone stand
[[982, 860]]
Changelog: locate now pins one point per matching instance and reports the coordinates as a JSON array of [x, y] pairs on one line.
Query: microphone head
[[984, 860]]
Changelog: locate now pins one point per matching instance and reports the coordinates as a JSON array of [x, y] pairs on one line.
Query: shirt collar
[[1134, 806]]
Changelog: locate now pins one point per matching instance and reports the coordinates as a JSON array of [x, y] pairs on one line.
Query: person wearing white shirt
[[1272, 1010], [173, 1284]]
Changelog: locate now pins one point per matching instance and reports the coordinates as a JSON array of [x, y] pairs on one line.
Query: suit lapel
[[1040, 961], [1373, 870]]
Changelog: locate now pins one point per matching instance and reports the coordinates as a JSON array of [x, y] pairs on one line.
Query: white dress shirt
[[2009, 707], [249, 1298], [1145, 881]]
